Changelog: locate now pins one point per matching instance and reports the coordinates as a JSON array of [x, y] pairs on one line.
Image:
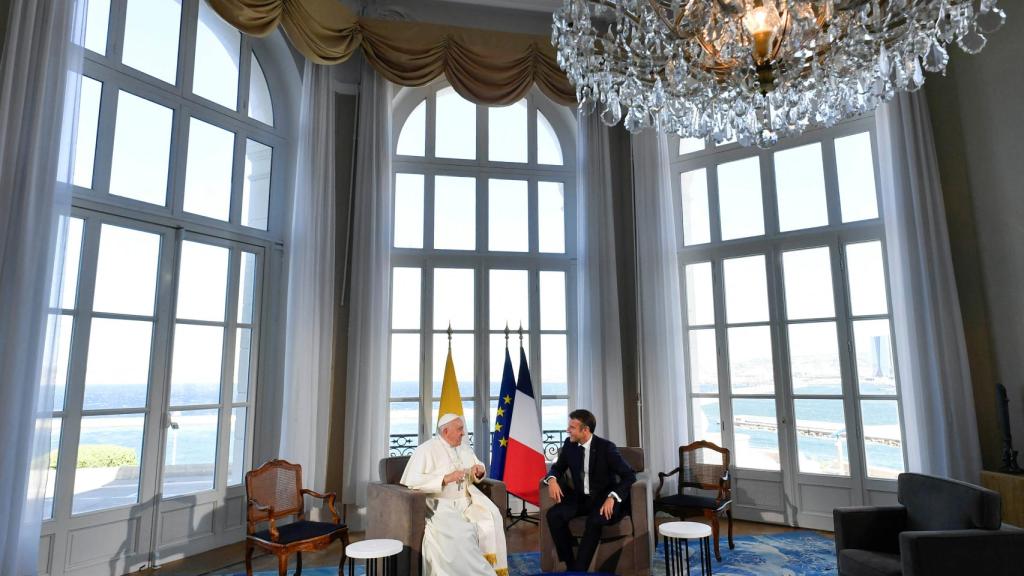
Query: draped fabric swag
[[484, 66]]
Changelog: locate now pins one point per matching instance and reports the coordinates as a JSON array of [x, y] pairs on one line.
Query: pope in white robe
[[464, 533]]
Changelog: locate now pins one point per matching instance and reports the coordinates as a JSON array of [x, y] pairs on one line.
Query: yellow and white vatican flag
[[451, 401]]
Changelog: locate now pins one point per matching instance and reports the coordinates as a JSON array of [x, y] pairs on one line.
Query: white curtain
[[599, 356], [35, 151], [366, 428], [935, 379], [660, 318], [309, 328]]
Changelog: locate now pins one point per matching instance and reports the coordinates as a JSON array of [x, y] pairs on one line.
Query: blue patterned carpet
[[785, 554]]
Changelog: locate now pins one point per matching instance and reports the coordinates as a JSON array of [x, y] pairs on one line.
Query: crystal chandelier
[[755, 70]]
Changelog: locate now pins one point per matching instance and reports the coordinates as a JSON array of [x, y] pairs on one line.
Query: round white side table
[[371, 551], [677, 547]]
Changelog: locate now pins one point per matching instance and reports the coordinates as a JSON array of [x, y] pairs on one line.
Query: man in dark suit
[[601, 480]]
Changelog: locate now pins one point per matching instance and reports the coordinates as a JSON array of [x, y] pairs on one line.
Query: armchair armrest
[[329, 500], [874, 528], [661, 481], [274, 534], [638, 509], [397, 512], [496, 491], [989, 552]]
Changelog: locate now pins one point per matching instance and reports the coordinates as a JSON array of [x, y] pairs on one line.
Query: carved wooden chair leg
[[298, 564], [282, 565], [714, 534], [728, 513], [341, 563], [248, 558]]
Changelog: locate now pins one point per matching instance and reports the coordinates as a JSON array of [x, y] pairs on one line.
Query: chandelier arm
[[657, 8], [613, 5]]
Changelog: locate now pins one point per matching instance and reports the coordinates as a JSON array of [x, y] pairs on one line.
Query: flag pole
[[523, 515]]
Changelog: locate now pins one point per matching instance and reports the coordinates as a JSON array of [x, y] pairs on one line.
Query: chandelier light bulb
[[756, 70], [762, 23]]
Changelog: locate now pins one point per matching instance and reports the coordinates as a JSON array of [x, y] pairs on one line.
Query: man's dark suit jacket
[[609, 472]]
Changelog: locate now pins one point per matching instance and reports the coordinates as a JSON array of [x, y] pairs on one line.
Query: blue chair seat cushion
[[298, 531], [856, 562], [691, 501]]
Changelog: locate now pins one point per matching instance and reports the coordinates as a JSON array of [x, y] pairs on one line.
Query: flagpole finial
[[449, 335], [507, 331], [520, 332]]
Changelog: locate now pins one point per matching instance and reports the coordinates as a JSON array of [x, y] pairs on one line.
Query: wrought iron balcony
[[404, 444]]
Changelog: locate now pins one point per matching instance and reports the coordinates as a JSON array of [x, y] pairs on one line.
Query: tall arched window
[[485, 229], [179, 172]]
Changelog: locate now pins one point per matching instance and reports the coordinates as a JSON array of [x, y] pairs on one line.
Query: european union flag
[[503, 420]]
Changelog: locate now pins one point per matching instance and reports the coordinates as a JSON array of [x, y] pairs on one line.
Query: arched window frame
[[157, 521], [481, 259]]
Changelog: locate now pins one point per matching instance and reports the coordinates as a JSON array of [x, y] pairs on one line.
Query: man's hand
[[479, 471], [554, 490], [456, 476], [607, 508]]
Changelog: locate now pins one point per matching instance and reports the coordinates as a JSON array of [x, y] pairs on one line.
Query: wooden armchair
[[274, 490], [702, 466]]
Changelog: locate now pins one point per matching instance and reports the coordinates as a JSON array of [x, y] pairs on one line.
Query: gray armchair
[[625, 546], [397, 512], [940, 527]]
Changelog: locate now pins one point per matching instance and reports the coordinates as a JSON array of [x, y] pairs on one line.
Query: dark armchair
[[625, 546], [400, 513], [940, 527], [705, 487]]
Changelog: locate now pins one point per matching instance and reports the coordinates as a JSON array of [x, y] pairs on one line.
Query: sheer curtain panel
[[309, 328], [599, 383], [35, 151], [935, 380], [659, 310], [366, 418]]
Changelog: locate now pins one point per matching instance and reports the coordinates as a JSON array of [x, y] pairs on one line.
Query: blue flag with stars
[[502, 420]]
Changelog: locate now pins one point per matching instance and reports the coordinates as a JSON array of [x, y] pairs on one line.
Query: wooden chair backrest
[[278, 484], [697, 468]]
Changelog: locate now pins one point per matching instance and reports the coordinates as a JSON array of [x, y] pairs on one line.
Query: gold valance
[[484, 66]]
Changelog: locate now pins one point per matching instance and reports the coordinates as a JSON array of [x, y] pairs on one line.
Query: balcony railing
[[404, 444]]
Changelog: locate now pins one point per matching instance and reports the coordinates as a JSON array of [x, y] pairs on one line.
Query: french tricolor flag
[[524, 461]]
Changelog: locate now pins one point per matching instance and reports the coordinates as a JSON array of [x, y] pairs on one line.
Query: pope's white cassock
[[464, 534]]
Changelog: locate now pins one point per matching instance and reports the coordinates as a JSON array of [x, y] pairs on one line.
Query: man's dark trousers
[[574, 505]]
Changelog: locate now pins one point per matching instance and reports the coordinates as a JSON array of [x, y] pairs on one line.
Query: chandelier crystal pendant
[[756, 70]]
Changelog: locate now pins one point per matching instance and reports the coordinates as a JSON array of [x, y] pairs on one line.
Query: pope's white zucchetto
[[445, 419]]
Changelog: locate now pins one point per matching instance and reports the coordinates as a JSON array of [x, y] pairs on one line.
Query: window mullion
[[75, 386], [187, 46]]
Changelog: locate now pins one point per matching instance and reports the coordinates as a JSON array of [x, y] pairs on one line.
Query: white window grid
[[481, 260], [95, 206], [836, 235]]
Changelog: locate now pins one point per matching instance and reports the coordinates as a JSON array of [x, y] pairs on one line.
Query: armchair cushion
[[692, 501], [937, 553], [300, 530], [854, 562]]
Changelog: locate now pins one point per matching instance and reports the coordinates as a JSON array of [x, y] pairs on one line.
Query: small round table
[[371, 550], [677, 546]]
